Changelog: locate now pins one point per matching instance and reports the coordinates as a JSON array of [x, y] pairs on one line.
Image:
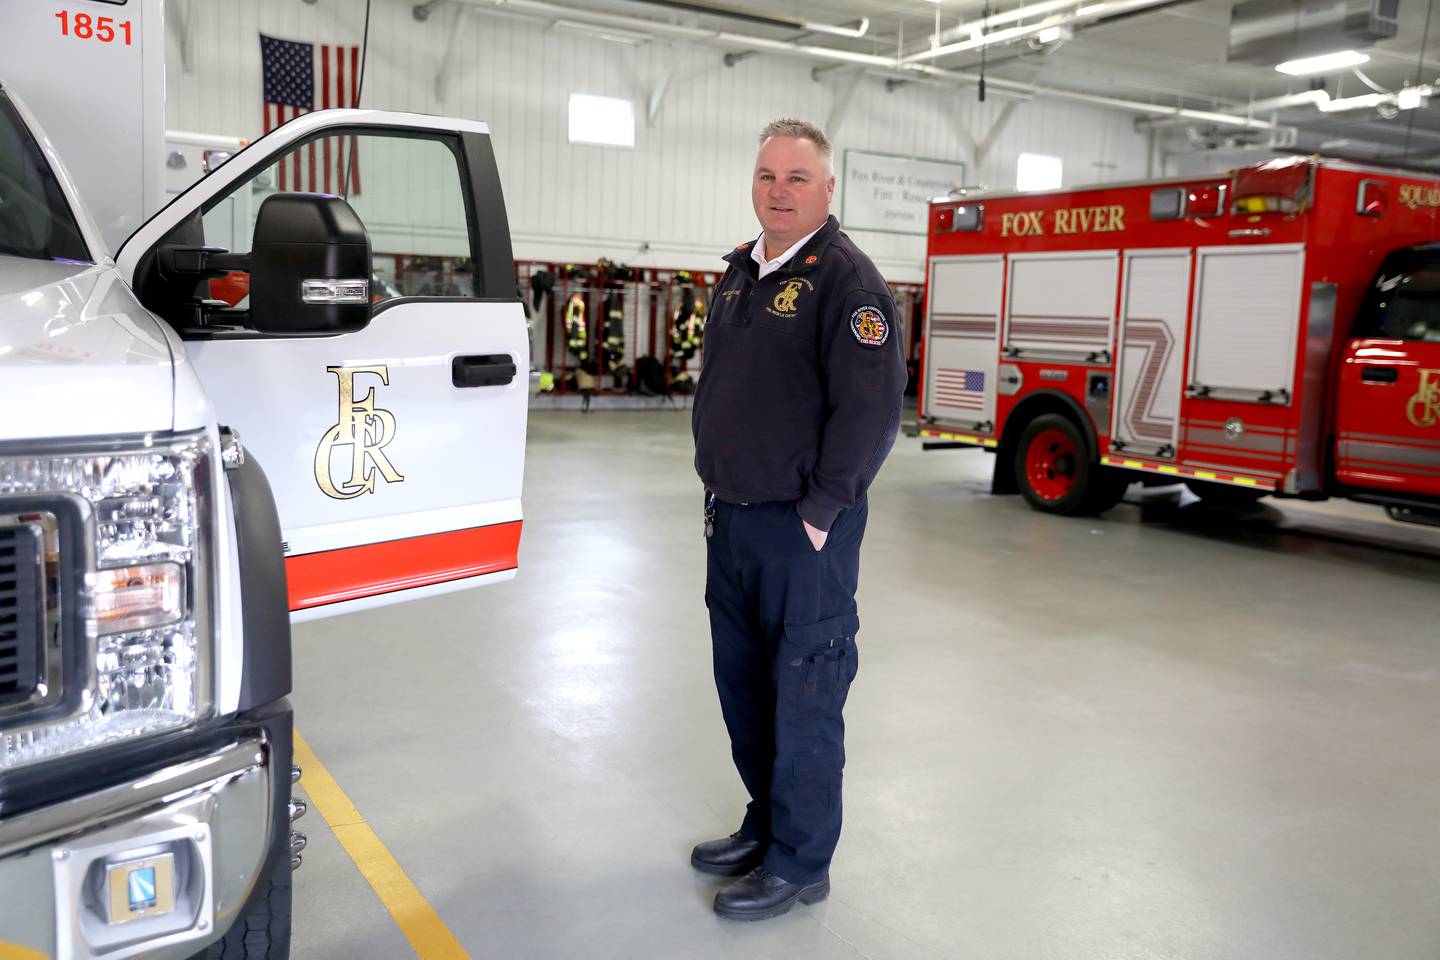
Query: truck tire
[[1057, 473], [262, 932]]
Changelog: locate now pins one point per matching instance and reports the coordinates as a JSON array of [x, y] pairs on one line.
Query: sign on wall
[[891, 194]]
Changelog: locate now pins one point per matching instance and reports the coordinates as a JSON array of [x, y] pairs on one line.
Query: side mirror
[[309, 266]]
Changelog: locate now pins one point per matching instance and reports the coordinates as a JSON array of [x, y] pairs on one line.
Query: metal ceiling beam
[[890, 65]]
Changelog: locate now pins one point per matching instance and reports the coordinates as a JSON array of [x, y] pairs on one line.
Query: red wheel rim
[[1050, 464]]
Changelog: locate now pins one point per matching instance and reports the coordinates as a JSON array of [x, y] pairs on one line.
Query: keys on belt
[[709, 514]]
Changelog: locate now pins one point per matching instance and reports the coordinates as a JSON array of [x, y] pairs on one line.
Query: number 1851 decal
[[83, 26]]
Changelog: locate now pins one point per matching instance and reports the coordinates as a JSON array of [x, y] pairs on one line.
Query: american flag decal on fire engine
[[960, 389]]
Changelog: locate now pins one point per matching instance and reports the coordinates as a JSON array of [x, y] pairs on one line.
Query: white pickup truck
[[150, 569]]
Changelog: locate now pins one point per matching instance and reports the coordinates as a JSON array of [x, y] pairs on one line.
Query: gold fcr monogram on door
[[366, 430], [1423, 408]]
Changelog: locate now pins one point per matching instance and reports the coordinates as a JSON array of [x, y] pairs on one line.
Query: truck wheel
[[1226, 496], [262, 932], [1056, 473]]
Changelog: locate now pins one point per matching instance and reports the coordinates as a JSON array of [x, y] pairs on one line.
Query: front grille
[[22, 614]]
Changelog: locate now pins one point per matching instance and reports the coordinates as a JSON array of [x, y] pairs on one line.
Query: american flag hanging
[[292, 74], [960, 389]]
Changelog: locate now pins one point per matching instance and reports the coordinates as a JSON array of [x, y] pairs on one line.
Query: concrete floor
[[1167, 733]]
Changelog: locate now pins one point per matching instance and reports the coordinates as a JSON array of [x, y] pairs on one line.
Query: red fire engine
[[1275, 330]]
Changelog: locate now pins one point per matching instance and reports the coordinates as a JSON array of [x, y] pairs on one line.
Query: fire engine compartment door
[[962, 326], [1061, 306], [1150, 359], [1247, 322], [395, 452]]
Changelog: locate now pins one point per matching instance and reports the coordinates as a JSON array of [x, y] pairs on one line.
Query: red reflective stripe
[[372, 569]]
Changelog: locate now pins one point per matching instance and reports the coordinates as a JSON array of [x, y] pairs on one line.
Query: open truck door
[[369, 351]]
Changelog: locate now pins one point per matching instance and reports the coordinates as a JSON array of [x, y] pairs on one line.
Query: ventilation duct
[[1267, 32]]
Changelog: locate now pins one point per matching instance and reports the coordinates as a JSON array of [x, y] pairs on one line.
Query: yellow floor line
[[418, 920]]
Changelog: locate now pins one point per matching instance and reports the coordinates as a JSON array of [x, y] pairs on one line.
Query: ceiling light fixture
[[1409, 98], [1325, 63], [631, 38]]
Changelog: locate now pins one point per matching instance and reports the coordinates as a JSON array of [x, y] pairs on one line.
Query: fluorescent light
[[631, 38], [1035, 171], [1325, 63], [1051, 34], [1409, 98], [1091, 8], [607, 121]]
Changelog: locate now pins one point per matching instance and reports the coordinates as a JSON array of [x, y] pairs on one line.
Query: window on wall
[[1036, 171], [608, 121]]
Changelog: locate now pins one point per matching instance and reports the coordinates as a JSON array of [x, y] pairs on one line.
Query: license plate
[[142, 888]]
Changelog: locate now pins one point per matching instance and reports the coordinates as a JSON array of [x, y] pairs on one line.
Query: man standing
[[798, 405]]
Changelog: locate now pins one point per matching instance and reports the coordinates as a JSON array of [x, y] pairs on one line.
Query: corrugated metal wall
[[680, 198]]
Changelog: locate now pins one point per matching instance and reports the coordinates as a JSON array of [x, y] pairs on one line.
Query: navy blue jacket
[[799, 396]]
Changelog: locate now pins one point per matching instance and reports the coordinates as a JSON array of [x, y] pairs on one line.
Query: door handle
[[483, 370], [1380, 375]]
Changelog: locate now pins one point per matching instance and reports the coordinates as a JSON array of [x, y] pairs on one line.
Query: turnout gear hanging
[[613, 345], [577, 336], [611, 329], [687, 333]]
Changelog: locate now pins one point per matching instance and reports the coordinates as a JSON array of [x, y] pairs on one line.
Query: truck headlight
[[122, 644]]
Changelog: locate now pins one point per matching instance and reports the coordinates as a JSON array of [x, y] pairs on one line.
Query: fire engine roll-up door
[[962, 332], [1061, 306], [1150, 361], [1247, 322]]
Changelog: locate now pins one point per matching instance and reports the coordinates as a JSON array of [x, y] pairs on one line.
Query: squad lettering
[[1031, 223], [1415, 195]]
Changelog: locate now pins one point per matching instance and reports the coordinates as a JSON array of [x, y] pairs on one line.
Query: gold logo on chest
[[787, 301]]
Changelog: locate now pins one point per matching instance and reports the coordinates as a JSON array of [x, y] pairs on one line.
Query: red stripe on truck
[[373, 569]]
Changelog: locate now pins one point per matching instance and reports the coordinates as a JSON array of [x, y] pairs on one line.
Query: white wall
[[683, 190]]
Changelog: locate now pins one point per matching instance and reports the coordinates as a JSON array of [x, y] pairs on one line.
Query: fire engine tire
[[1058, 475], [1226, 496], [262, 932]]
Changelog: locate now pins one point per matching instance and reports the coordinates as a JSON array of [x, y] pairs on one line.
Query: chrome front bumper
[[210, 816]]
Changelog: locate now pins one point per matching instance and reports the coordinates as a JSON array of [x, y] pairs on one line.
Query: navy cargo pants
[[783, 624]]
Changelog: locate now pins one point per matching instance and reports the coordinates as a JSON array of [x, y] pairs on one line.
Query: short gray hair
[[799, 130]]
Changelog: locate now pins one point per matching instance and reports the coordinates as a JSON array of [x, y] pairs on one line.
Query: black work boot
[[729, 857], [760, 895]]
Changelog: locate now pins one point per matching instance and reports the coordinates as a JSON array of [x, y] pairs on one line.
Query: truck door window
[[1404, 302], [35, 220], [408, 191]]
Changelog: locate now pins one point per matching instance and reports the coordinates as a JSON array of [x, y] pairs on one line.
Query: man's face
[[792, 187]]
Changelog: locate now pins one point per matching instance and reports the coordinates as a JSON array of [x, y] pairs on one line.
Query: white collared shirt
[[767, 267]]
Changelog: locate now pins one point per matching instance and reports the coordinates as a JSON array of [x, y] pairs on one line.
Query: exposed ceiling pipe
[[978, 38], [890, 65], [1267, 105], [862, 26]]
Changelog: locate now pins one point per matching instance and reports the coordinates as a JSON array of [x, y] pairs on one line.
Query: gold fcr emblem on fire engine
[[1423, 409], [786, 301], [366, 430]]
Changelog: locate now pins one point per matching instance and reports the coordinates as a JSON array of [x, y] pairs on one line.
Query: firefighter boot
[[731, 856]]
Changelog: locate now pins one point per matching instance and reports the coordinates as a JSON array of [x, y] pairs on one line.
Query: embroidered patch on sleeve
[[870, 327]]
